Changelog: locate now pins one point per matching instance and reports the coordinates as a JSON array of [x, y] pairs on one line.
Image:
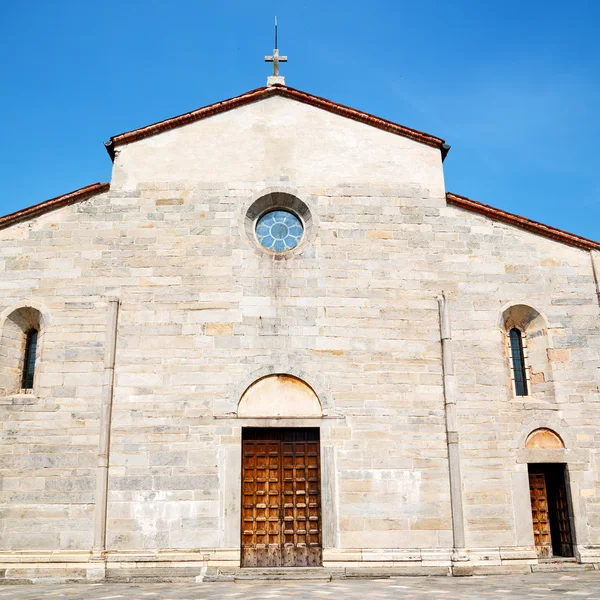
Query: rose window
[[279, 230]]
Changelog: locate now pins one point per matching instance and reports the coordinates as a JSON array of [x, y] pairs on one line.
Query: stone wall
[[353, 312], [50, 434], [518, 268]]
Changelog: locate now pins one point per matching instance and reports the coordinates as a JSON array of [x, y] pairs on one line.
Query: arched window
[[22, 333], [527, 340], [29, 359], [518, 362]]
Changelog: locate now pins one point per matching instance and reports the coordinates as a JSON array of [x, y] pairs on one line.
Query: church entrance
[[550, 510], [281, 497]]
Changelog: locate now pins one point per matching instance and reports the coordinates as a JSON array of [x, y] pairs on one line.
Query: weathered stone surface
[[353, 313]]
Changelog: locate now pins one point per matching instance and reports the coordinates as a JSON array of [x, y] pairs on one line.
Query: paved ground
[[514, 587]]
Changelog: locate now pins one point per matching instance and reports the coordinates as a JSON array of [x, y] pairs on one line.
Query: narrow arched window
[[518, 362], [29, 359]]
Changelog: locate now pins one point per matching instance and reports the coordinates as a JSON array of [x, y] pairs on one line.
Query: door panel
[[562, 515], [261, 533], [550, 510], [559, 510], [539, 514], [281, 498], [301, 504]]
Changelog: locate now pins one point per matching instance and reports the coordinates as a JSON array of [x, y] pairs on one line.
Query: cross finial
[[276, 78]]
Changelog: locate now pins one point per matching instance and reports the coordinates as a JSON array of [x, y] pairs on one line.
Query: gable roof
[[43, 207], [267, 92], [522, 222]]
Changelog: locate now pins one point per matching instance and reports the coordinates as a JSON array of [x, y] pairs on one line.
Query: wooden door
[[281, 498], [539, 514], [261, 503], [565, 544]]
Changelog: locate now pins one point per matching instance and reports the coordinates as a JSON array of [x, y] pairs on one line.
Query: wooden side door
[[281, 498], [539, 514]]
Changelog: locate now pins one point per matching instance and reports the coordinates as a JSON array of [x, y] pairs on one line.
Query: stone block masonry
[[204, 313]]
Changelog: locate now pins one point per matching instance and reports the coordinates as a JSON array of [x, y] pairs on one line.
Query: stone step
[[366, 572], [149, 574], [273, 573], [559, 566], [282, 577], [157, 579], [320, 573]]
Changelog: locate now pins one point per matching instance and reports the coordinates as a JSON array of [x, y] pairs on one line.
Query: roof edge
[[49, 205], [267, 92], [522, 222]]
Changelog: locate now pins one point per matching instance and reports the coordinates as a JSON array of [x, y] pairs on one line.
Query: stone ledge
[[560, 567], [223, 565], [414, 570], [501, 569]]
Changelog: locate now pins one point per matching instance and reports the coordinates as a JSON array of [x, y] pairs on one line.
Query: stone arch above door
[[316, 381], [281, 396], [544, 420], [569, 452], [544, 438]]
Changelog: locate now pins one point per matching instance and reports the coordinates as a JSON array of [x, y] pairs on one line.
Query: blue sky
[[514, 86]]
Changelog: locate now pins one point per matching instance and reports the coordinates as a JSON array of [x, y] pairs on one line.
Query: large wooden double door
[[550, 510], [281, 497]]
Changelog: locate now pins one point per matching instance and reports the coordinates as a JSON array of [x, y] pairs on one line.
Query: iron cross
[[276, 59]]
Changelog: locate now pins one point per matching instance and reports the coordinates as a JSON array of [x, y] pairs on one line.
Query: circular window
[[279, 230], [280, 224]]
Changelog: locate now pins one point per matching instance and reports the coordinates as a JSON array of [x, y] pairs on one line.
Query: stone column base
[[461, 564]]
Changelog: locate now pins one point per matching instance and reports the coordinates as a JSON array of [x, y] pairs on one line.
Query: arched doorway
[[550, 501], [281, 477]]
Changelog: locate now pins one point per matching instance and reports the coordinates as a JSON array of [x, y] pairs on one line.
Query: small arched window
[[518, 361], [526, 341], [21, 346], [29, 359]]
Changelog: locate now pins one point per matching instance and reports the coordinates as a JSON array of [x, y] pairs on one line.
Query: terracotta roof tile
[[524, 223], [267, 92], [39, 209]]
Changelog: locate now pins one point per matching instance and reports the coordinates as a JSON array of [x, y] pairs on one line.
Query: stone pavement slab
[[584, 586]]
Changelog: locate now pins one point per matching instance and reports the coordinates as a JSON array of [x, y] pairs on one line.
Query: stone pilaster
[[110, 348], [460, 561], [595, 257]]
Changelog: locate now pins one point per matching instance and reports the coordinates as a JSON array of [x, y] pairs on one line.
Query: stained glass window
[[279, 230], [518, 362], [29, 359]]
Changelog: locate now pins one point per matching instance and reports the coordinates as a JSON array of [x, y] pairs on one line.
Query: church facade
[[275, 340]]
